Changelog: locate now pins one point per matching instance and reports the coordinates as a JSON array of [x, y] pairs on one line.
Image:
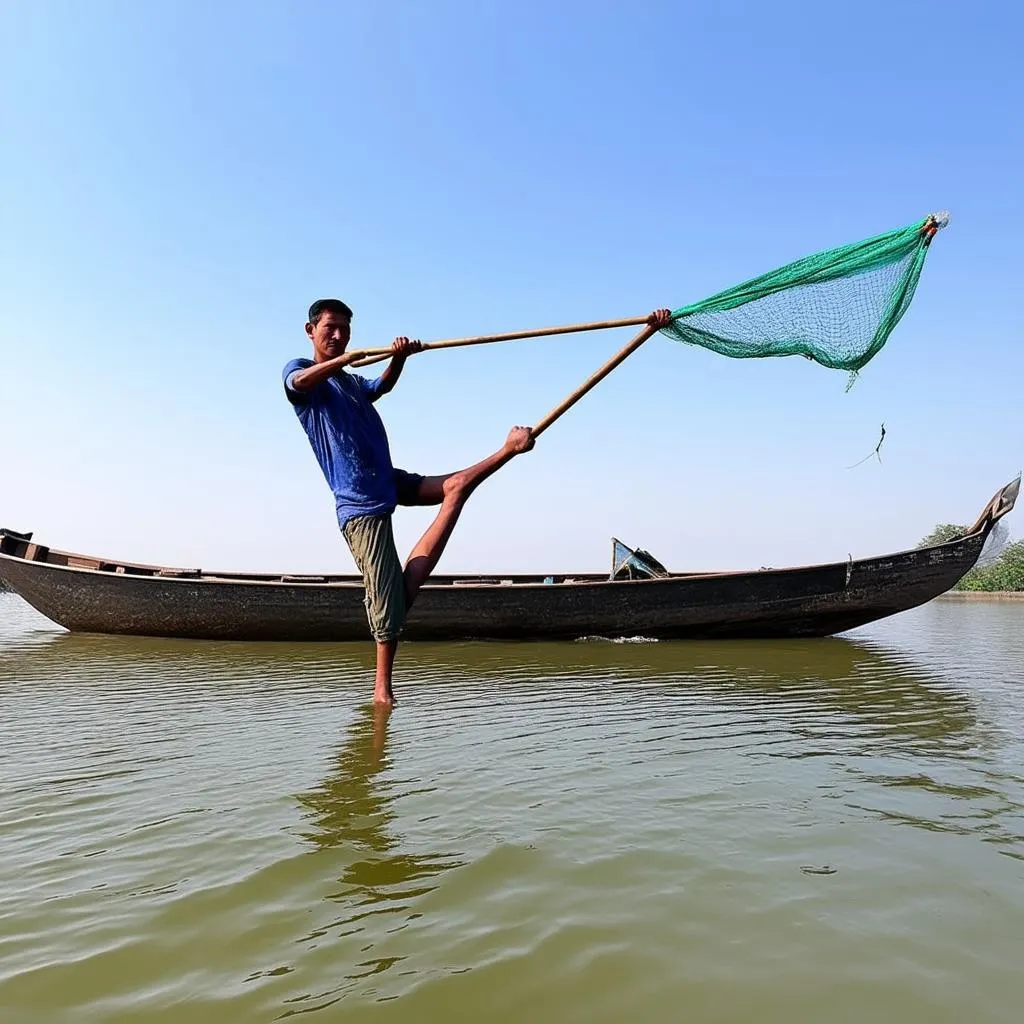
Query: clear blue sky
[[180, 180]]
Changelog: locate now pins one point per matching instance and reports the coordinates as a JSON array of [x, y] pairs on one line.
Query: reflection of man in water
[[352, 810], [352, 815]]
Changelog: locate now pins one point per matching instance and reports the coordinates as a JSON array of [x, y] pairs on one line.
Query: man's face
[[330, 336]]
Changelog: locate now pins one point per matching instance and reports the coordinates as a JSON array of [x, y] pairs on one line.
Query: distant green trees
[[1006, 573]]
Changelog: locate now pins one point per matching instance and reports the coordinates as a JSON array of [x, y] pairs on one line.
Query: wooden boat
[[639, 598]]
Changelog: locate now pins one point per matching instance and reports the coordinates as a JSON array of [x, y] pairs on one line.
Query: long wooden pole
[[595, 379], [376, 355]]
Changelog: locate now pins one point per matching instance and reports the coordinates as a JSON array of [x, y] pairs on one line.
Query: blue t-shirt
[[348, 439]]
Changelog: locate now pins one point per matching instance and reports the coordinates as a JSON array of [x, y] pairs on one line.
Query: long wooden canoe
[[98, 595]]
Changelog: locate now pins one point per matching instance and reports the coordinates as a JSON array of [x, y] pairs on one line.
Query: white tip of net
[[941, 219]]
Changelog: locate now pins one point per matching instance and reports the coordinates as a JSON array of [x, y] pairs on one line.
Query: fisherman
[[335, 407]]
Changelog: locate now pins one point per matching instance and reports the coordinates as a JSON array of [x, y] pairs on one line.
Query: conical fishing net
[[837, 307]]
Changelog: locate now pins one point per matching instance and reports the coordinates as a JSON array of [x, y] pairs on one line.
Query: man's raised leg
[[452, 491]]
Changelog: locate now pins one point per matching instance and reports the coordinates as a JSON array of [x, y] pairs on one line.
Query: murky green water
[[820, 831]]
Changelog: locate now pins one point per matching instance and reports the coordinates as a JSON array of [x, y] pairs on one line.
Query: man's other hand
[[402, 347]]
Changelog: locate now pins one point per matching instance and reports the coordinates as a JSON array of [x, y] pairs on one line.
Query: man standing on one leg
[[348, 438]]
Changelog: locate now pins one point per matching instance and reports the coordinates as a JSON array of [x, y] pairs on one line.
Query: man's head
[[329, 328]]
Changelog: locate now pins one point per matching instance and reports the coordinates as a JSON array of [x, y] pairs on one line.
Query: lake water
[[805, 831]]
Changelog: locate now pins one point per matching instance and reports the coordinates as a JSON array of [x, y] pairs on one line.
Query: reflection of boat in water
[[790, 680], [782, 680], [89, 594]]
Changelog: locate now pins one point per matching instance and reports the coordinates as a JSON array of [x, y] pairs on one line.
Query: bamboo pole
[[595, 378], [364, 357]]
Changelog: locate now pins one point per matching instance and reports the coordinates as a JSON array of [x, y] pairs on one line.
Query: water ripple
[[574, 831]]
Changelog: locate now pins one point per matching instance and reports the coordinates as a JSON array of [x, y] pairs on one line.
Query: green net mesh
[[837, 307]]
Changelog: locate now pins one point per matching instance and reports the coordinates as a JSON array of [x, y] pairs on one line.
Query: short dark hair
[[322, 306]]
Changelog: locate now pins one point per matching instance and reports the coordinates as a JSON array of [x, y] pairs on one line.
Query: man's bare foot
[[384, 697], [383, 694], [519, 440]]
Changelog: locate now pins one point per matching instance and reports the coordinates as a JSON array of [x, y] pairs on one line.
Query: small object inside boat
[[634, 563]]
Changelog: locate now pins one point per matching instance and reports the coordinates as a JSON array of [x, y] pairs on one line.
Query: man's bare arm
[[401, 349], [313, 376]]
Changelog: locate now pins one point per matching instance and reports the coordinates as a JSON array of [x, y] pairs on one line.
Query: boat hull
[[800, 602]]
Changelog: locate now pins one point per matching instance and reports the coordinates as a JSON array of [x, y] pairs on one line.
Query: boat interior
[[627, 564]]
